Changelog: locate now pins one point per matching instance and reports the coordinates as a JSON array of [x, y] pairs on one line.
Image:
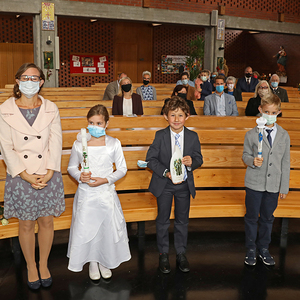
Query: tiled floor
[[216, 254]]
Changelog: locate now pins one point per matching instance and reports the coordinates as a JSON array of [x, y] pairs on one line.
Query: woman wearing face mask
[[147, 91], [180, 91], [190, 90], [231, 90], [203, 86], [31, 146], [261, 89], [126, 102]]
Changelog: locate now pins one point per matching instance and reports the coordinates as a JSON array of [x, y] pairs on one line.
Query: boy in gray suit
[[266, 179], [176, 112]]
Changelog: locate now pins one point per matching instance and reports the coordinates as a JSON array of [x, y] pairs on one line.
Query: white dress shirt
[[127, 106]]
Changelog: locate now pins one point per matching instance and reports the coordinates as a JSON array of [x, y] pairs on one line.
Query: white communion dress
[[98, 231]]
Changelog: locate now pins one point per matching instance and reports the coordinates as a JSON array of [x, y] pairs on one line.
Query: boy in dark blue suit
[[176, 112]]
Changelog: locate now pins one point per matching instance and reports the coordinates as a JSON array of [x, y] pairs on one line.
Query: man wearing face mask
[[112, 88], [247, 83], [261, 90], [278, 91], [220, 103]]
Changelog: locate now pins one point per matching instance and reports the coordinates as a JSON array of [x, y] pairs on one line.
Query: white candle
[[260, 125], [85, 162]]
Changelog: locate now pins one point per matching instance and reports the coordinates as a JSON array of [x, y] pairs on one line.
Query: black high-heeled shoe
[[34, 285], [46, 282]]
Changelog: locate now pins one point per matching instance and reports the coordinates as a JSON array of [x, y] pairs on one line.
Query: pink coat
[[33, 148]]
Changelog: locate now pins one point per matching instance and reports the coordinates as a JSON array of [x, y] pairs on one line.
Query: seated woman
[[261, 89], [203, 86], [127, 102], [231, 90], [190, 91], [146, 91], [180, 91]]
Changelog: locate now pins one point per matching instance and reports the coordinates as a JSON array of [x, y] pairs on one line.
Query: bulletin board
[[88, 64]]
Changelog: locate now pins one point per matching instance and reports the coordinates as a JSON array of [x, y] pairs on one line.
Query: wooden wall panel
[[12, 56]]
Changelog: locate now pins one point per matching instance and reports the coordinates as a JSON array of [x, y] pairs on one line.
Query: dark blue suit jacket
[[243, 86], [159, 157]]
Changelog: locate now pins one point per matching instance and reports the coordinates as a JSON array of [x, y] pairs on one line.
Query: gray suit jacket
[[139, 91], [159, 156], [210, 105], [111, 90], [274, 174]]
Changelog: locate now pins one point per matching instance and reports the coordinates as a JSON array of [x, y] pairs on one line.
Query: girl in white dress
[[98, 232]]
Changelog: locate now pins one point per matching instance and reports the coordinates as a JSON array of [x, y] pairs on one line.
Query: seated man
[[220, 103], [247, 83], [280, 92], [112, 88]]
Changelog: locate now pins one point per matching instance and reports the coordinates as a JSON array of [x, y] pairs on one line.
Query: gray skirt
[[26, 203]]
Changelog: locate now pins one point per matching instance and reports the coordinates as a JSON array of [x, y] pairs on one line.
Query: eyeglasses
[[263, 87], [33, 78]]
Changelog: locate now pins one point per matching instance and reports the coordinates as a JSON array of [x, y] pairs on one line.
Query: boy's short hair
[[220, 77], [174, 103], [270, 99]]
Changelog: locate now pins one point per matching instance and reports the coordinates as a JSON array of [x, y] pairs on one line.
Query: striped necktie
[[177, 136]]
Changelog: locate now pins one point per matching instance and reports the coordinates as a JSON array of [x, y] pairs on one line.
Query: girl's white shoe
[[106, 273], [94, 271]]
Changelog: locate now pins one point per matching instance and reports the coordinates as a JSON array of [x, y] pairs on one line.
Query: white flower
[[4, 222]]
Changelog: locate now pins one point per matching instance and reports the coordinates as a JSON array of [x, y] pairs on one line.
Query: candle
[[261, 122], [85, 162]]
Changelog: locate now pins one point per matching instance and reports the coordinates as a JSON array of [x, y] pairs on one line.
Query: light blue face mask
[[96, 131], [220, 88], [271, 119], [185, 81], [274, 84], [142, 164]]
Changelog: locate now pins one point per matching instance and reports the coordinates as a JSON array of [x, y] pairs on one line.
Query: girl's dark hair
[[16, 92], [178, 88], [97, 110], [174, 103], [185, 73]]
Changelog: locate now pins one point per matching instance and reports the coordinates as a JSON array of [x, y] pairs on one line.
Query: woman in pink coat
[[31, 146]]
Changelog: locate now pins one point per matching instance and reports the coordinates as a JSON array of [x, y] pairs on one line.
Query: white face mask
[[203, 78], [29, 88], [230, 86], [271, 119]]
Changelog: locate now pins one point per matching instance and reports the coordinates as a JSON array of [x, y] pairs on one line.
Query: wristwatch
[[165, 173]]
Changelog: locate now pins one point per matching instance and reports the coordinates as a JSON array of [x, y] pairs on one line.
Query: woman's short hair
[[178, 88], [231, 78], [174, 103], [146, 73], [120, 93], [16, 92], [98, 110], [258, 85]]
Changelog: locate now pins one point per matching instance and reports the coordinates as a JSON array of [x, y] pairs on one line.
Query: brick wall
[[257, 50], [16, 30], [82, 36], [171, 40], [255, 9]]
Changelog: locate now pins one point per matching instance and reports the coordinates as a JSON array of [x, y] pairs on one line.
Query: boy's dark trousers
[[182, 207], [260, 207]]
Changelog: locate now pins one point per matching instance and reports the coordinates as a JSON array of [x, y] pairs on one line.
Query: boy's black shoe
[[164, 264], [250, 258], [266, 257], [182, 262]]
